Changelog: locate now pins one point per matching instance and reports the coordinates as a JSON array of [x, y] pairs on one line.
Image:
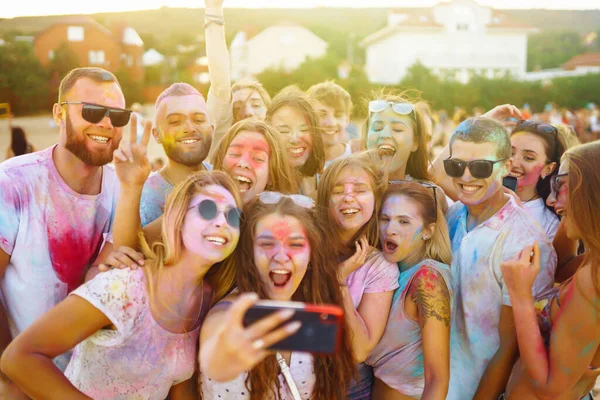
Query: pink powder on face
[[531, 178]]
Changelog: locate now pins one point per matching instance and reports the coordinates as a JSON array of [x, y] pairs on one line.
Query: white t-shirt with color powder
[[546, 218], [138, 360], [480, 289], [51, 233]]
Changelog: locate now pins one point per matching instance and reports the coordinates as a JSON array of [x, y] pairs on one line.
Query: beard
[[76, 145], [190, 158]]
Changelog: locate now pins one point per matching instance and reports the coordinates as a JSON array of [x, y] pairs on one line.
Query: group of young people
[[118, 283]]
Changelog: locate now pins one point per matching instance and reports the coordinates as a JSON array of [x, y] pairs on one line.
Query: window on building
[[75, 33], [96, 57], [50, 55]]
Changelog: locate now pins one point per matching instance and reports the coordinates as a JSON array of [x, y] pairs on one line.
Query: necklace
[[535, 195]]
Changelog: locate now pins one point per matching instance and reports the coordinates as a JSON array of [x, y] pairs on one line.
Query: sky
[[36, 7]]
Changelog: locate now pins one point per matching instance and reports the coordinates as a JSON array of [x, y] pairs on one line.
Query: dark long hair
[[320, 285], [555, 147], [18, 141]]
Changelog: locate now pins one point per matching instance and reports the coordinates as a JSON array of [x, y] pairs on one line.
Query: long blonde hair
[[368, 162], [438, 246], [583, 183], [282, 176], [293, 97], [168, 251]]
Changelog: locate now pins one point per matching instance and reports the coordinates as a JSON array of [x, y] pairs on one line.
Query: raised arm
[[432, 298], [55, 333], [132, 167], [216, 50], [575, 333], [368, 322]]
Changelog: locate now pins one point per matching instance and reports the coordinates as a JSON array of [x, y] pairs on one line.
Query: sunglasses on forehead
[[540, 128], [275, 198], [208, 210], [480, 169], [376, 106], [94, 113], [427, 185]]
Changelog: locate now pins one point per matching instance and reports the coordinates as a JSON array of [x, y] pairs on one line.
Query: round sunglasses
[[480, 169], [94, 113], [208, 210]]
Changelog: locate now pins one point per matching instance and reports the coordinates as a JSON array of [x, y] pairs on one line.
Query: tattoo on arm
[[430, 294]]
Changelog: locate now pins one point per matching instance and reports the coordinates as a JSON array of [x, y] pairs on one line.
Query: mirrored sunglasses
[[275, 198], [208, 210], [399, 108]]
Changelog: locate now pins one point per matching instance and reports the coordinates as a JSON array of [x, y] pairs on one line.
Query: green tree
[[132, 89], [550, 49], [23, 81], [63, 61]]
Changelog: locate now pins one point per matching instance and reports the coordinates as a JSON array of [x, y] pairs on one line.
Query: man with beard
[[57, 204], [185, 131]]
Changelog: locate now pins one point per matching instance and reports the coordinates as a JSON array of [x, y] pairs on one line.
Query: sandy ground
[[42, 133]]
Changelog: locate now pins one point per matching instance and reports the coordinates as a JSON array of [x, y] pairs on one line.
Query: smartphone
[[510, 182], [321, 330]]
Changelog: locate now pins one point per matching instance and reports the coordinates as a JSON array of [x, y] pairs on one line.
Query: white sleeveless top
[[301, 368]]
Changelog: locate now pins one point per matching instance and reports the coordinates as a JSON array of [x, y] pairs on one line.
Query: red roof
[[583, 60]]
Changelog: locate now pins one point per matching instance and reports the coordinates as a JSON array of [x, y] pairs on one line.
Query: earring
[[425, 237]]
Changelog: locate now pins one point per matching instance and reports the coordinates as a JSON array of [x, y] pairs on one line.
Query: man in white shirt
[[57, 204], [487, 227]]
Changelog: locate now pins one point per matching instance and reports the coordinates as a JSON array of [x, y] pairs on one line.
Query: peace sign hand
[[130, 159], [242, 348]]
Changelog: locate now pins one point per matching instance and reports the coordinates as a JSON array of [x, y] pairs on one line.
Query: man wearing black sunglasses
[[487, 228], [57, 204]]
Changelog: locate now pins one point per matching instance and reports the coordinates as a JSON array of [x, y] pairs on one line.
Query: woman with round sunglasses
[[293, 116], [348, 206], [559, 331], [397, 128], [412, 359], [536, 152], [135, 333], [280, 257]]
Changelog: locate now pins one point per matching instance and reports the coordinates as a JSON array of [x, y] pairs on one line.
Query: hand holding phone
[[234, 347], [321, 325]]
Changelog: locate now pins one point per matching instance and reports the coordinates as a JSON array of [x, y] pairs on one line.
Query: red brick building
[[94, 45]]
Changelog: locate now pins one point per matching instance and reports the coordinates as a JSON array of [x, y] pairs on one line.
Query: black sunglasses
[[480, 169], [95, 112], [208, 210], [427, 185]]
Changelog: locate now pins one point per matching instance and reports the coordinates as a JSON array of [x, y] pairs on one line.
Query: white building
[[279, 46], [456, 39]]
